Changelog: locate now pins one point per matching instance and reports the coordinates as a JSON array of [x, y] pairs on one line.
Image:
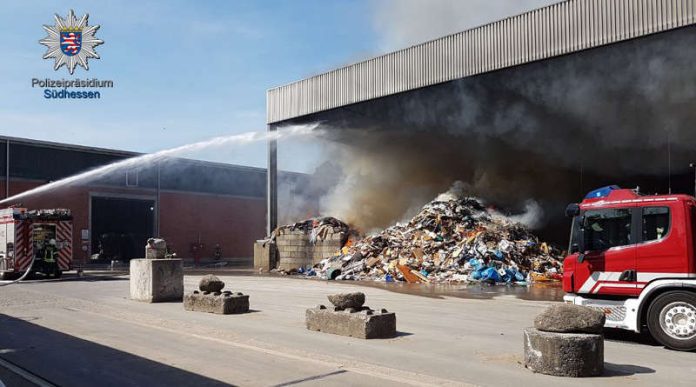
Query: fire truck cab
[[38, 240], [633, 257]]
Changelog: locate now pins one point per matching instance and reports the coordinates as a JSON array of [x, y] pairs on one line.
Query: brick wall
[[233, 222]]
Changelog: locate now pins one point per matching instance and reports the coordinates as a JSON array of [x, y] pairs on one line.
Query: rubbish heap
[[317, 228], [452, 239], [304, 244]]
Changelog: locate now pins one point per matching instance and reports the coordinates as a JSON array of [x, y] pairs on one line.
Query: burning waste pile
[[454, 238]]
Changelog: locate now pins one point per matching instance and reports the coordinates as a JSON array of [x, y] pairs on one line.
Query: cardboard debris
[[317, 228], [406, 273], [450, 240]]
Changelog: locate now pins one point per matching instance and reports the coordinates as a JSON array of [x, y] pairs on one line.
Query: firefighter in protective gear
[[50, 252], [218, 252]]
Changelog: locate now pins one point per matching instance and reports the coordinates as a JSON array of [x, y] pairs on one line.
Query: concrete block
[[295, 250], [563, 354], [155, 248], [156, 280], [264, 255], [568, 318], [286, 242], [363, 324], [219, 303]]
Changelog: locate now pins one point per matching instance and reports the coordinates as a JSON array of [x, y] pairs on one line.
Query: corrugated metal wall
[[554, 30]]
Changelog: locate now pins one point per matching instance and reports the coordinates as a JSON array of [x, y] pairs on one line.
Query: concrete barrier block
[[363, 324], [264, 255], [151, 253], [563, 354], [295, 250], [156, 248], [220, 303], [156, 280]]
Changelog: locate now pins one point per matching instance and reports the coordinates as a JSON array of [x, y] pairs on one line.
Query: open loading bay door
[[121, 227]]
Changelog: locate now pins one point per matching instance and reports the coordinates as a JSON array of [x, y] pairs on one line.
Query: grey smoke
[[532, 215], [403, 23], [548, 131]]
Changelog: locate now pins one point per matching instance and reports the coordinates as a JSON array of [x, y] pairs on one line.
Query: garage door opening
[[121, 227]]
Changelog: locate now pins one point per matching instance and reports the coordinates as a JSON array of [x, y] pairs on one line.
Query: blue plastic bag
[[519, 276], [475, 263], [510, 275], [490, 274]]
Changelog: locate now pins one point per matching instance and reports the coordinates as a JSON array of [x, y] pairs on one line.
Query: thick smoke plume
[[387, 176], [402, 23], [548, 132]]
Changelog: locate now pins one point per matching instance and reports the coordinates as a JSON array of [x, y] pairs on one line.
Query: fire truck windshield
[[601, 229]]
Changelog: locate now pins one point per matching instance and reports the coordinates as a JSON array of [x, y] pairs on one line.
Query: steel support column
[[157, 204], [7, 170], [272, 184]]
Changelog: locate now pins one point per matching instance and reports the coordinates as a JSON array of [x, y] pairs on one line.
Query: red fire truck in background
[[634, 257], [41, 236]]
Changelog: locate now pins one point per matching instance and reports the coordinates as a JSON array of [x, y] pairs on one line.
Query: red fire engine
[[634, 257], [44, 236]]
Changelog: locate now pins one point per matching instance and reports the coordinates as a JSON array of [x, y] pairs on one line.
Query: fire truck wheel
[[672, 320]]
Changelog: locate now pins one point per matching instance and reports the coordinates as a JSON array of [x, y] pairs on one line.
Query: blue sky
[[186, 71]]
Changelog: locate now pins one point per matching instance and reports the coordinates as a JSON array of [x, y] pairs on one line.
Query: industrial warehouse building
[[545, 105], [186, 202]]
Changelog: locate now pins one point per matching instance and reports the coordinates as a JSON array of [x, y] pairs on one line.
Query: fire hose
[[26, 273]]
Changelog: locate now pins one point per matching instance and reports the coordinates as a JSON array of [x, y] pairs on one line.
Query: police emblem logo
[[71, 42]]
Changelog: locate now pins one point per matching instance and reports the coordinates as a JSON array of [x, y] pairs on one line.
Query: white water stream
[[146, 159]]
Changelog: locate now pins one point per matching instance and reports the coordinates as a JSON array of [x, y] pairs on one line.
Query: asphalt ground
[[85, 332]]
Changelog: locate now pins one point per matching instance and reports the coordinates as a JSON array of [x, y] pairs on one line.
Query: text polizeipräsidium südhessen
[[61, 88]]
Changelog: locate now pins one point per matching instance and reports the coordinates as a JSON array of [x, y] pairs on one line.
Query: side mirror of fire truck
[[578, 244], [572, 210], [582, 242]]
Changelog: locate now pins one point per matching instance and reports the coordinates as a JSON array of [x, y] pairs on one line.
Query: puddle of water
[[533, 292]]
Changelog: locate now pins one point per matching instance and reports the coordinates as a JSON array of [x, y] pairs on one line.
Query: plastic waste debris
[[455, 239]]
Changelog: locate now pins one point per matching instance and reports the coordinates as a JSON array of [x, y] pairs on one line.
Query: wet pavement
[[442, 340], [532, 292]]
